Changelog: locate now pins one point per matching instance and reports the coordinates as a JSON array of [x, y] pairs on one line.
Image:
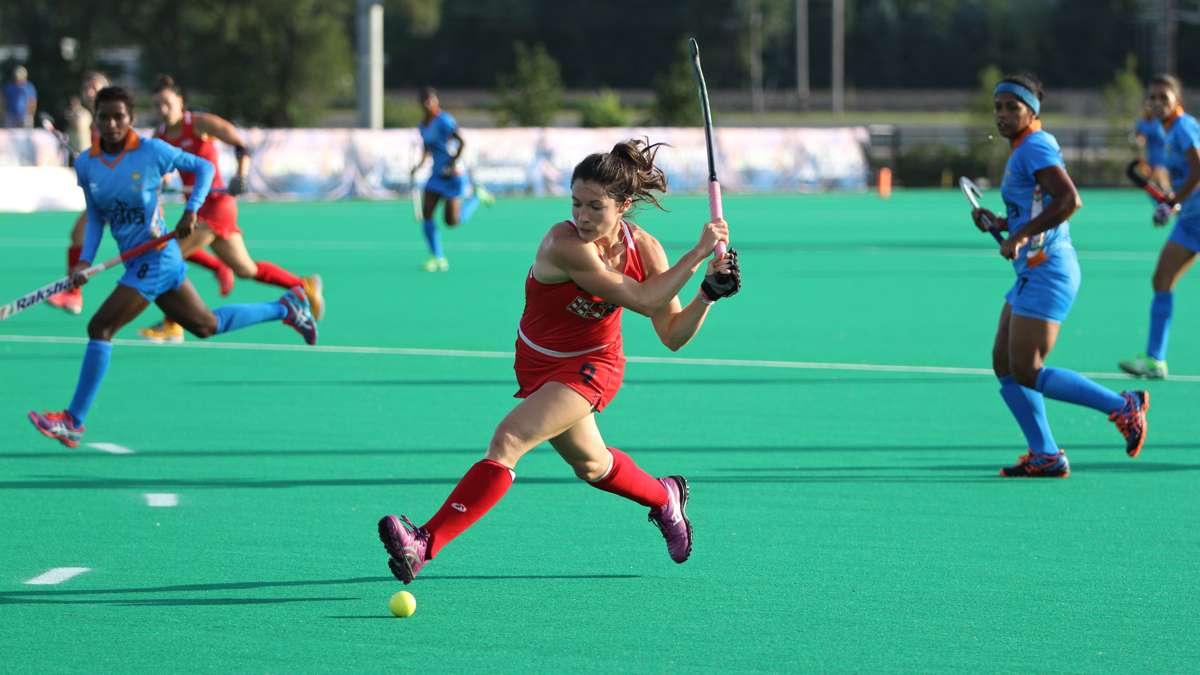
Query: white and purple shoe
[[672, 518], [406, 544]]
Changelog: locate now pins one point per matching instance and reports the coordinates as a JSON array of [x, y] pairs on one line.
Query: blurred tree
[[532, 92], [1124, 96], [419, 17], [605, 110], [676, 103]]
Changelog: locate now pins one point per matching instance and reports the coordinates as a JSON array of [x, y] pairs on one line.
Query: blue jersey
[[1183, 135], [436, 135], [1024, 199], [122, 190], [1156, 140]]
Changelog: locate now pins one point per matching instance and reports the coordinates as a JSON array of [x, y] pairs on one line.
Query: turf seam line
[[111, 448], [483, 354]]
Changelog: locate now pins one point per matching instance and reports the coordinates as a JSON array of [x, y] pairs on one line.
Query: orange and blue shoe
[[299, 314], [407, 546], [1131, 420], [1034, 465], [60, 426], [70, 301]]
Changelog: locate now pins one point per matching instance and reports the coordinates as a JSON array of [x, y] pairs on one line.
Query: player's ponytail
[[626, 172], [166, 83]]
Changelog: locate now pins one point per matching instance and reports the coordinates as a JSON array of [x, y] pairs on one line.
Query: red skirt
[[219, 213], [596, 376]]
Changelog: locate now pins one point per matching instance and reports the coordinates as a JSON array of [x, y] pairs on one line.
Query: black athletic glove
[[723, 285], [236, 186]]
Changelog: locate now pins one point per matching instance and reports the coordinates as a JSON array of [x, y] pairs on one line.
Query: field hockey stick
[[1156, 193], [973, 195], [64, 284], [187, 192], [714, 187], [46, 122], [414, 196]]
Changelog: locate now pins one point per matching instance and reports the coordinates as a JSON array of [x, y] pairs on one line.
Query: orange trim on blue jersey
[[1170, 119], [131, 143], [1034, 126]]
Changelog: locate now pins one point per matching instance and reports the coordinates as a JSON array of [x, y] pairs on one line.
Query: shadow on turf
[[60, 596], [508, 381], [475, 452]]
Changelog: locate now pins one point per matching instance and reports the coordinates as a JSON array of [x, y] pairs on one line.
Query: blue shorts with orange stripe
[[1047, 291], [156, 272]]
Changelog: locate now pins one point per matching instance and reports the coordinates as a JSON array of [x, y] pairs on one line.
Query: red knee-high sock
[[270, 273], [627, 479], [73, 253], [205, 259], [478, 491]]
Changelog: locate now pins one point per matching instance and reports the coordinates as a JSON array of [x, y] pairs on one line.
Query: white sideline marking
[[161, 499], [111, 448], [57, 575], [480, 354]]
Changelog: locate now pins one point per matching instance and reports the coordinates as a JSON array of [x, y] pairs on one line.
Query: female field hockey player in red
[[1039, 196], [120, 176], [1182, 158], [218, 227], [447, 182], [569, 361]]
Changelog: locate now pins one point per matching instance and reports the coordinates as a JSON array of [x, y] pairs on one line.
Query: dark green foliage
[[530, 94], [605, 110]]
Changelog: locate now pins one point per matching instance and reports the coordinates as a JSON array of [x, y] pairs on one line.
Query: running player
[[1151, 141], [569, 361], [218, 226], [118, 161], [447, 180], [1178, 254], [1039, 196]]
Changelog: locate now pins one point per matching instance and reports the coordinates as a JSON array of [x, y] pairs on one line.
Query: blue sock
[[1029, 408], [469, 207], [95, 364], [1160, 323], [233, 317], [1061, 384], [433, 238]]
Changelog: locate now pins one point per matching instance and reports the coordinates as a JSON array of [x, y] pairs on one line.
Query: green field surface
[[837, 420]]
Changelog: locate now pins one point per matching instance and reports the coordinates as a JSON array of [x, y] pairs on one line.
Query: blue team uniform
[[1182, 136], [1156, 140], [1047, 268], [122, 191], [437, 135]]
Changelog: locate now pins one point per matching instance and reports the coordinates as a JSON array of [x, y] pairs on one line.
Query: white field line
[[56, 575], [480, 354], [110, 448], [161, 499]]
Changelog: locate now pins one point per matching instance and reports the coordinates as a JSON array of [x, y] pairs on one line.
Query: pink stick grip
[[715, 213]]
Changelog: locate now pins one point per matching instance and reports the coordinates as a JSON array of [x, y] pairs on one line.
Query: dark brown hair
[[1170, 82], [626, 172], [115, 94], [164, 83], [1029, 81]]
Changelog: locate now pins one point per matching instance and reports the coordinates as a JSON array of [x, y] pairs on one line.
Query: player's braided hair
[[626, 172]]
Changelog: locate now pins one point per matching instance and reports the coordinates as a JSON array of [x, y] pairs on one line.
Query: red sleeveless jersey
[[563, 320], [197, 144]]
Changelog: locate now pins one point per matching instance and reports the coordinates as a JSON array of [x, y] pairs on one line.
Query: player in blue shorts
[[1152, 145], [120, 177], [1178, 254], [1039, 196], [447, 181]]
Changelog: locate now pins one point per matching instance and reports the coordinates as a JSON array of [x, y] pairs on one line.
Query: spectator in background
[[79, 125], [20, 100]]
